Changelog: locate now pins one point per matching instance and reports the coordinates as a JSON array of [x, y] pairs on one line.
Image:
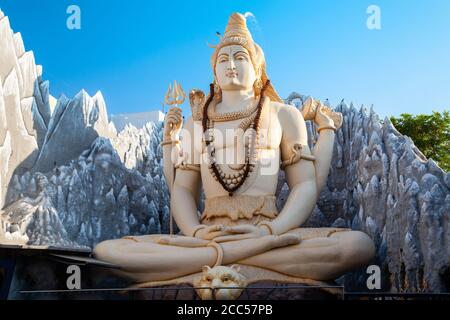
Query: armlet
[[296, 156], [185, 166]]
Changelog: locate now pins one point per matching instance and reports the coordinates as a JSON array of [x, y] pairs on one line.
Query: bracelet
[[191, 167], [327, 127], [219, 250], [197, 229], [169, 141], [296, 156], [267, 224]]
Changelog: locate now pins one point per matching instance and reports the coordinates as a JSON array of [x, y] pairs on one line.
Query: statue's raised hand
[[173, 123], [327, 117], [322, 115], [323, 118]]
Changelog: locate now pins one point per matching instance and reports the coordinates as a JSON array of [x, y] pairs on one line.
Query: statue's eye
[[223, 59], [241, 57], [226, 278], [209, 279]]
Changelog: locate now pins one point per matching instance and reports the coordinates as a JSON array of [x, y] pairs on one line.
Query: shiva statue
[[232, 148]]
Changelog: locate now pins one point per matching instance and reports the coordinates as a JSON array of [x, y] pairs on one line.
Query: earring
[[257, 86], [258, 83], [216, 87]]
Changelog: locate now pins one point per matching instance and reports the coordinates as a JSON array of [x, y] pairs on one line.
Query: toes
[[286, 239], [290, 239], [163, 240]]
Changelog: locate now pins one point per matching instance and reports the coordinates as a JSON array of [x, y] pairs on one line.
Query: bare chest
[[231, 145], [231, 135]]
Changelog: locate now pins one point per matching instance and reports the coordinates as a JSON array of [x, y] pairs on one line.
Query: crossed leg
[[323, 258]]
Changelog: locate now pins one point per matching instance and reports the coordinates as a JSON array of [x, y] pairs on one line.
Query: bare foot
[[284, 240]]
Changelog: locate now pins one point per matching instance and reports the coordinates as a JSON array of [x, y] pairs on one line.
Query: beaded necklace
[[231, 116], [232, 182]]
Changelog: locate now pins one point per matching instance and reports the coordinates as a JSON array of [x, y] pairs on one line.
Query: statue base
[[261, 284]]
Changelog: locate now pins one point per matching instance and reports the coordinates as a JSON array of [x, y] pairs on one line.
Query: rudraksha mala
[[247, 167]]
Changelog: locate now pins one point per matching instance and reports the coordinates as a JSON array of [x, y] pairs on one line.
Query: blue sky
[[131, 50]]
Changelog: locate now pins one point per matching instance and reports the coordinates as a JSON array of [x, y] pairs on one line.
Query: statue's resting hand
[[179, 241], [217, 233], [241, 232], [211, 232], [201, 239]]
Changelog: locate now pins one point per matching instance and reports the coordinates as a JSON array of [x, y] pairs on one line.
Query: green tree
[[430, 133]]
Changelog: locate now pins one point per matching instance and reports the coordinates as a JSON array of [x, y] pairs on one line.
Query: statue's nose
[[231, 65]]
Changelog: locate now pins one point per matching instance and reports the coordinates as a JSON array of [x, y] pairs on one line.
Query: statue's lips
[[232, 75]]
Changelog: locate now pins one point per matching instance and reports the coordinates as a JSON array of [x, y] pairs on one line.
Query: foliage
[[430, 133]]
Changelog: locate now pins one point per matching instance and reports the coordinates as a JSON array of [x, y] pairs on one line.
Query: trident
[[174, 97]]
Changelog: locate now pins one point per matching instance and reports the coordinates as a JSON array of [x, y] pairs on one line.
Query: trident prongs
[[174, 96]]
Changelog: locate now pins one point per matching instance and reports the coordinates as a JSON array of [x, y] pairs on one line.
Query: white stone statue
[[239, 173]]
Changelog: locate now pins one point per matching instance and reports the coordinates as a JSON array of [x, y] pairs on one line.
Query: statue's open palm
[[202, 237], [241, 232]]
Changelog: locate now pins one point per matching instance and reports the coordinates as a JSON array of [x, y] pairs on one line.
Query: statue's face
[[234, 69]]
